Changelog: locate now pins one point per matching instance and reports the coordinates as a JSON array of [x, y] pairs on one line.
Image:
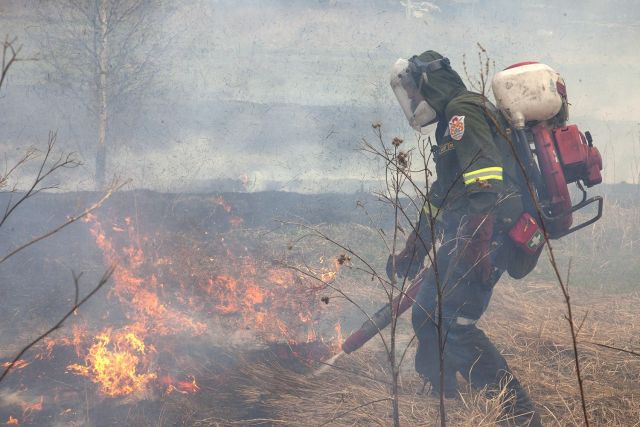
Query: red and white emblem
[[456, 127]]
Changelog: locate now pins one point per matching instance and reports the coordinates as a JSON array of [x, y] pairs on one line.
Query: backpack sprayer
[[533, 97]]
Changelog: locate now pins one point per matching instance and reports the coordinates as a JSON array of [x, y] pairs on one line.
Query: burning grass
[[173, 295]]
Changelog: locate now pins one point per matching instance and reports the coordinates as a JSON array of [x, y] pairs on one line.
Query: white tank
[[527, 92]]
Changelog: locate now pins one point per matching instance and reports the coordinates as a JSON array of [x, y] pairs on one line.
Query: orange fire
[[21, 363], [271, 300], [184, 387], [116, 362], [162, 296], [12, 421], [29, 407], [339, 339], [220, 201], [235, 221]]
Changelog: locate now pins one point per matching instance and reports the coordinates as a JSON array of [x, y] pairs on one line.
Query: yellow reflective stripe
[[482, 171], [482, 178], [434, 210], [494, 172]]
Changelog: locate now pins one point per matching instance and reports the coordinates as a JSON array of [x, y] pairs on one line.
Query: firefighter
[[477, 201]]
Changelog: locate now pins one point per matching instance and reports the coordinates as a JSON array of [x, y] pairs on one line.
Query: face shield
[[404, 74]]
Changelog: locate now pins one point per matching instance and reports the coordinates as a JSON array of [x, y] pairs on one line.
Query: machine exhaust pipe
[[382, 318]]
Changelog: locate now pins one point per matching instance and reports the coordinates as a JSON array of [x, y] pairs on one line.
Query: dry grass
[[603, 256], [528, 324], [525, 321]]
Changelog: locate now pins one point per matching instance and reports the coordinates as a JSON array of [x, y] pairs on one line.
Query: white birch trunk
[[103, 61]]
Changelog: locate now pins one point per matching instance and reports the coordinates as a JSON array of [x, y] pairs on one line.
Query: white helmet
[[407, 77]]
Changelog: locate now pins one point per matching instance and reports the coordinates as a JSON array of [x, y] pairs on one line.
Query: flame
[[235, 221], [311, 336], [20, 364], [47, 351], [259, 298], [338, 340], [158, 300], [116, 362], [328, 274], [184, 387], [29, 408], [188, 386], [220, 201]]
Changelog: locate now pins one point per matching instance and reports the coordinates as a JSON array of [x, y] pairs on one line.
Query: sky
[[284, 91]]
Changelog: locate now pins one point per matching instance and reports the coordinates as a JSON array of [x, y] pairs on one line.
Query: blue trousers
[[465, 348]]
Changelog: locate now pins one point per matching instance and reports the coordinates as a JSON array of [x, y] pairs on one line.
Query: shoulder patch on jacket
[[456, 127]]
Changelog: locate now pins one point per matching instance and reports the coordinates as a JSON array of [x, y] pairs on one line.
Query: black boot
[[428, 366], [450, 386], [518, 410]]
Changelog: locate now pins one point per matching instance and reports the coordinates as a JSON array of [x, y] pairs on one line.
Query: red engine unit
[[580, 159], [565, 155]]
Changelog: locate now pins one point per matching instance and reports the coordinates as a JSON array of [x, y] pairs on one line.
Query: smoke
[[282, 92]]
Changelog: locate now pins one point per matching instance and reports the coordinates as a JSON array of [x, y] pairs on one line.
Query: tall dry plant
[[408, 178]]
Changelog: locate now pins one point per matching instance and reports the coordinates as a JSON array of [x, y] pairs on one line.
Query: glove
[[411, 259], [475, 244], [406, 264]]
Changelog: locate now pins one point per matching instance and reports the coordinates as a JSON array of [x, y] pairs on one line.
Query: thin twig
[[103, 280], [611, 347], [70, 221]]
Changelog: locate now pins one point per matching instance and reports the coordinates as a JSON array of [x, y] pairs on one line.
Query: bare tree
[[10, 54], [102, 53]]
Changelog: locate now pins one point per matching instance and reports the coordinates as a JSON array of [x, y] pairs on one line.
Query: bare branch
[[10, 54], [112, 189], [58, 325], [611, 347], [44, 171]]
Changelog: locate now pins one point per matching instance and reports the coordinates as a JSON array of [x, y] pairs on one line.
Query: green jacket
[[474, 163]]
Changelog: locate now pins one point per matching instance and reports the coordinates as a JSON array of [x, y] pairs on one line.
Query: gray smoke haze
[[281, 93]]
